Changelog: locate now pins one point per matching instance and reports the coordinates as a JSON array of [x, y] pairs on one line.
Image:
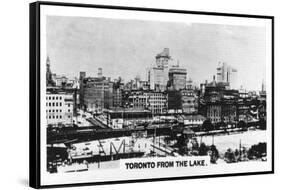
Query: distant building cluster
[[167, 90], [60, 81]]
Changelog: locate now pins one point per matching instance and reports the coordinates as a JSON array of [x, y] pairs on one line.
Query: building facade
[[189, 101], [219, 104], [157, 102], [227, 74], [138, 99], [174, 101], [99, 93], [154, 101], [157, 76], [177, 78], [59, 108]]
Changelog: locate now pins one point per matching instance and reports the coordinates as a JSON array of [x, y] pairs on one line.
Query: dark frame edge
[[272, 101], [209, 13], [34, 133], [34, 96]]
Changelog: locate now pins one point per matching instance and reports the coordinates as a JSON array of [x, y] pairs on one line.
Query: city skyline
[[198, 47]]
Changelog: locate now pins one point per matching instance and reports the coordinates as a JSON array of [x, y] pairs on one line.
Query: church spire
[[49, 79]]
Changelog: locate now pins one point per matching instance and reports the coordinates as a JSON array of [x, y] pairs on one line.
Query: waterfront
[[224, 142]]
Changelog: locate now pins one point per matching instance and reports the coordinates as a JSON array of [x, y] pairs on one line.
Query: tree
[[214, 154], [203, 149], [243, 125], [257, 151], [207, 125], [262, 124], [229, 156]]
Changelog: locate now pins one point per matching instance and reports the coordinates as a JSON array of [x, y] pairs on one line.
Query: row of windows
[[158, 100], [56, 117], [54, 110], [55, 104], [157, 106], [53, 98], [157, 96], [215, 120], [188, 94], [214, 114], [188, 101]]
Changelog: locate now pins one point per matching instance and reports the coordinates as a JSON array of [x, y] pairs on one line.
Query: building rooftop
[[131, 110], [177, 69], [192, 117], [164, 53]]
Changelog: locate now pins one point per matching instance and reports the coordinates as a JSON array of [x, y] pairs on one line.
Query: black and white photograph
[[146, 94]]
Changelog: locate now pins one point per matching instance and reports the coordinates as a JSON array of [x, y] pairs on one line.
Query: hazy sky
[[127, 47]]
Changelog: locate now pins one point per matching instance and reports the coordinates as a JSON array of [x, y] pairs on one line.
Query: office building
[[227, 74], [189, 101], [177, 78], [154, 101], [157, 76], [59, 108]]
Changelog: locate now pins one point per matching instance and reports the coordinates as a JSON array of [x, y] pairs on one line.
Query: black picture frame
[[34, 99]]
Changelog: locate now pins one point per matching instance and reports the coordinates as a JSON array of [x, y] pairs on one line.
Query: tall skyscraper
[[232, 78], [227, 74], [158, 74], [162, 59], [177, 78]]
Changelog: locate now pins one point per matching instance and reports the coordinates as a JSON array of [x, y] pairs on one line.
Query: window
[[60, 104], [57, 97], [50, 104], [53, 103]]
